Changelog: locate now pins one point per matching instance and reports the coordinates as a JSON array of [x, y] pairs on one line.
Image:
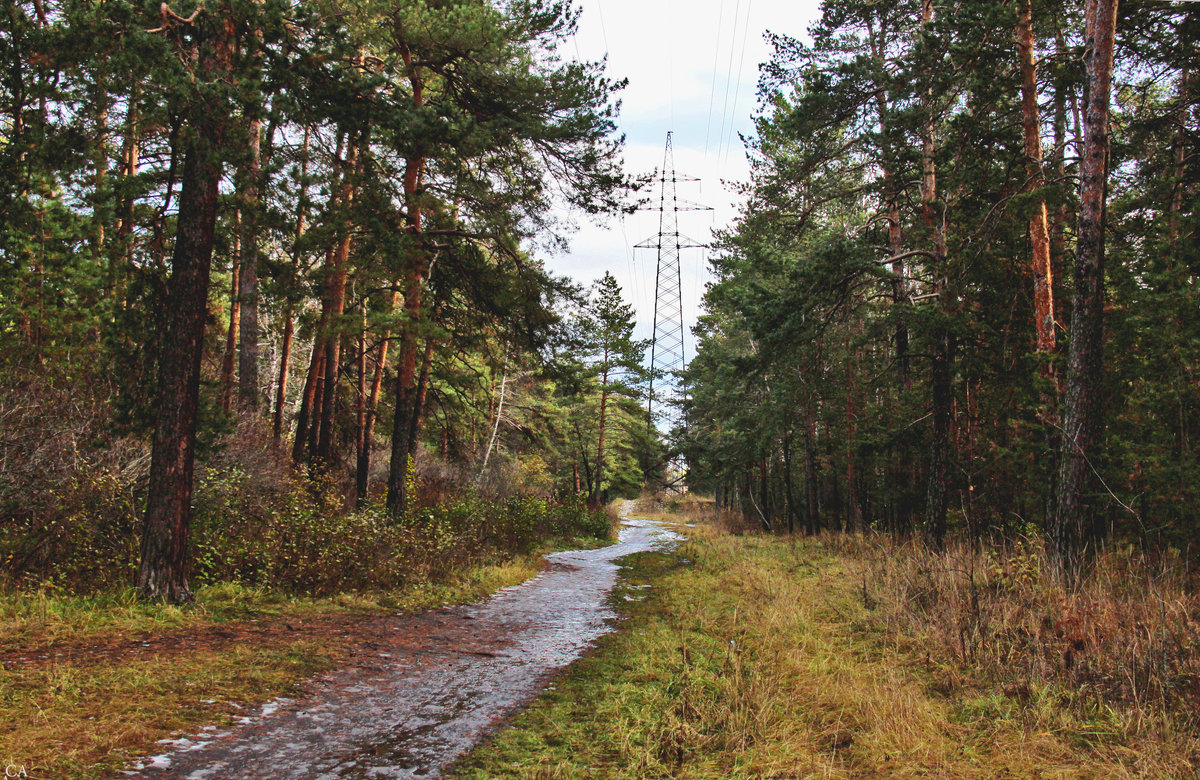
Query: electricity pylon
[[667, 358]]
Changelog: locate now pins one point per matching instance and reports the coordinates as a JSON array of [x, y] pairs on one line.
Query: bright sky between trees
[[692, 69]]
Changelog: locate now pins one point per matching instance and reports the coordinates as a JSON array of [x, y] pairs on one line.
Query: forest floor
[[755, 656]]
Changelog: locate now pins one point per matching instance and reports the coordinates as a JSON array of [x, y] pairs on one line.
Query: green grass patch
[[757, 660]]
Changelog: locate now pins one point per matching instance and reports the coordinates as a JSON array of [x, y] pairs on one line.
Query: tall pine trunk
[[406, 387], [1073, 521], [413, 283], [363, 466], [787, 483], [248, 283], [853, 500], [308, 421], [285, 358], [891, 195], [812, 499], [335, 303], [235, 317], [162, 573], [126, 199], [308, 399], [251, 197], [595, 497], [942, 348], [1039, 231], [360, 406], [1178, 181], [288, 314], [418, 411]]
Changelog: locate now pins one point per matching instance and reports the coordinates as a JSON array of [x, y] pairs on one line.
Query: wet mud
[[438, 685]]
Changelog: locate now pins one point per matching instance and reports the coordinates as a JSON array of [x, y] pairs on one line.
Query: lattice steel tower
[[667, 356]]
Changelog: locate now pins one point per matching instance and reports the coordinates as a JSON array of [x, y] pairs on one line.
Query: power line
[[712, 92], [741, 66], [728, 75], [633, 275], [603, 26]]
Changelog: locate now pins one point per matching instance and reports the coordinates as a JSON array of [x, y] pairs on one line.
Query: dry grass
[[1114, 661], [760, 660], [63, 721]]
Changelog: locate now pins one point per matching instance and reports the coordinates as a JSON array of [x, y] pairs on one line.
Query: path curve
[[452, 676]]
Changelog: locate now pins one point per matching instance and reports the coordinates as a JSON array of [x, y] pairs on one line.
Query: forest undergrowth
[[73, 494], [758, 655]]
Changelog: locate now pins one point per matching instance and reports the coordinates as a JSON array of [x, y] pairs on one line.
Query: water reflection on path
[[450, 677]]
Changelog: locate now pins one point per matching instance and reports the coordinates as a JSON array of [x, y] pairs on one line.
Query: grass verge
[[759, 659], [88, 683]]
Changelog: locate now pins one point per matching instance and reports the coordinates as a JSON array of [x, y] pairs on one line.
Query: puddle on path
[[449, 678]]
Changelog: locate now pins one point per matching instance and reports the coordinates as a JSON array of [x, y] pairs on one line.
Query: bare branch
[[169, 18]]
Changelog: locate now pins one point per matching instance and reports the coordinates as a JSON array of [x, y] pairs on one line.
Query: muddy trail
[[429, 691]]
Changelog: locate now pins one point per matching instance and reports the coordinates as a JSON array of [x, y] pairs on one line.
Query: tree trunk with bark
[[1039, 231], [418, 412], [812, 500], [413, 282], [251, 205], [363, 466], [1073, 521], [126, 200], [891, 195], [360, 403], [235, 317], [854, 504], [787, 483], [942, 348], [285, 358], [288, 314], [335, 304], [406, 391], [308, 399], [595, 497], [1179, 182], [248, 284], [163, 571]]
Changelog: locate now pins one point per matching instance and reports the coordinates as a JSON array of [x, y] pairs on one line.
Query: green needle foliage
[[868, 355], [331, 209]]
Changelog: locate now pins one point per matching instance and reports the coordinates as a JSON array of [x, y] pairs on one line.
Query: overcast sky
[[693, 69]]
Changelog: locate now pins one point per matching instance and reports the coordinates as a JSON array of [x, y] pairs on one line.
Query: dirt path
[[440, 682]]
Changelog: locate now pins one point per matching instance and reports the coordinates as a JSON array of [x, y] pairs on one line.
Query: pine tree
[[204, 39], [615, 359], [1073, 524]]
